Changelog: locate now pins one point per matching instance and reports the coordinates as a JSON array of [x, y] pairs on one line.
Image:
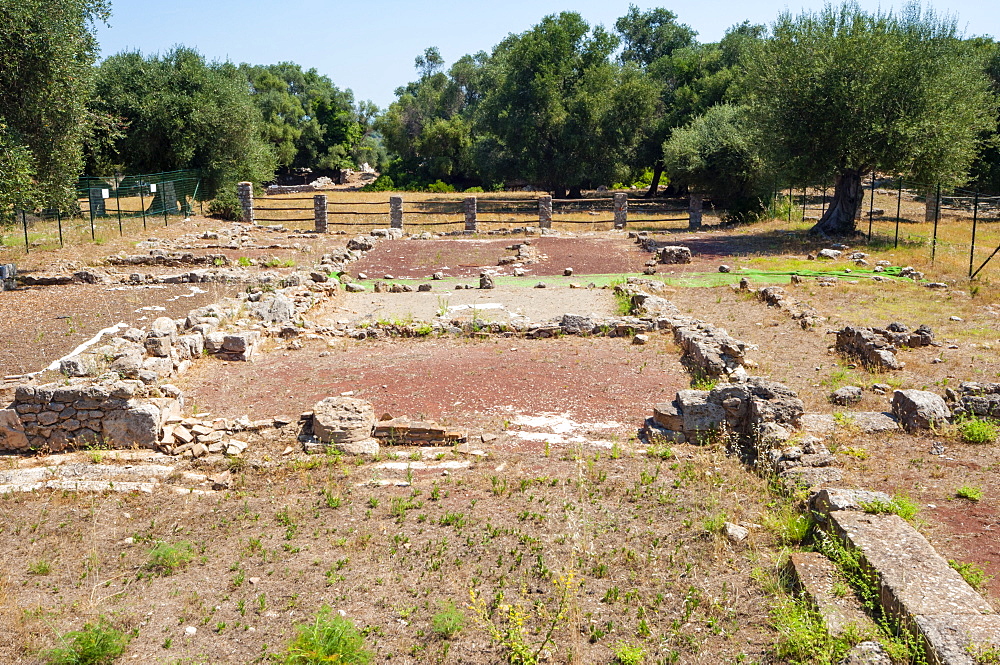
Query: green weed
[[328, 639], [96, 644]]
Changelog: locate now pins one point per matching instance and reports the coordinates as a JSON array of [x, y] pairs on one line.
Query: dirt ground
[[564, 514]]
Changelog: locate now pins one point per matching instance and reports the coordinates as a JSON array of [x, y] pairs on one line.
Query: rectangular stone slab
[[914, 577], [816, 576], [954, 638]]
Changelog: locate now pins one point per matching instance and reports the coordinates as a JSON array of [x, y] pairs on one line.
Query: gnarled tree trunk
[[654, 186], [841, 216]]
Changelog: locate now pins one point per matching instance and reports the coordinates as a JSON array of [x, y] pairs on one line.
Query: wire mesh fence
[[948, 227], [106, 206]]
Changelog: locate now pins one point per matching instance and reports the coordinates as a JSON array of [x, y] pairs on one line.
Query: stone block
[[137, 425], [667, 415], [698, 413], [816, 576], [675, 254], [830, 499], [343, 420], [914, 578], [12, 436], [919, 409]]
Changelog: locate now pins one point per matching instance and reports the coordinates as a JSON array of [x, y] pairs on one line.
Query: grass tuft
[[328, 639]]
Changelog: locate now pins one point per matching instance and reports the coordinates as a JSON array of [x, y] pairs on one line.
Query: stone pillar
[[621, 210], [930, 205], [319, 212], [396, 212], [694, 211], [244, 192], [471, 221], [545, 212]]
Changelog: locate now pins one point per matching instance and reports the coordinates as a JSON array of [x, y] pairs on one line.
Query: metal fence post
[[471, 219], [621, 210], [871, 209], [975, 218], [937, 216], [320, 213], [93, 234], [142, 204], [545, 212], [790, 204], [804, 203], [244, 192], [396, 212], [59, 222], [696, 207], [118, 205], [899, 206], [24, 222]]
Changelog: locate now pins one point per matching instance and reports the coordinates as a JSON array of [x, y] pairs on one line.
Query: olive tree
[[840, 93], [47, 51]]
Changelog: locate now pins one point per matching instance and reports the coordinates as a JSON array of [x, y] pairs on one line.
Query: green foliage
[[440, 187], [226, 205], [474, 190], [629, 654], [40, 567], [556, 111], [308, 120], [448, 621], [429, 126], [978, 430], [971, 573], [840, 93], [970, 492], [328, 639], [383, 183], [898, 505], [168, 558], [96, 644], [790, 526], [802, 635], [717, 156], [182, 112], [48, 49]]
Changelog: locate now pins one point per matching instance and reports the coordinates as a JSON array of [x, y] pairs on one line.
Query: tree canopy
[[182, 112], [557, 111], [307, 120], [840, 93], [47, 51]]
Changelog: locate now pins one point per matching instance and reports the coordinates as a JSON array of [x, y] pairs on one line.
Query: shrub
[[226, 206], [976, 430], [383, 183], [167, 558], [448, 621], [328, 639], [474, 190], [440, 187], [96, 644]]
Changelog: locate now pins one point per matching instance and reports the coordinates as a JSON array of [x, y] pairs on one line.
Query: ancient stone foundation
[[55, 417], [874, 347], [757, 409]]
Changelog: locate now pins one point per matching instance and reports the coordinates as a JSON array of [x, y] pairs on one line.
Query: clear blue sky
[[369, 45]]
